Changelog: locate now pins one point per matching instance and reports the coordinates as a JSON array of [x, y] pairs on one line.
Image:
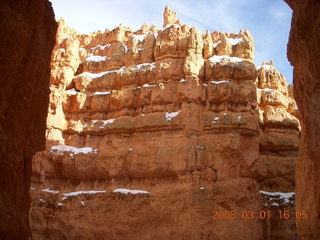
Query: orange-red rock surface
[[185, 118], [303, 53], [27, 38]]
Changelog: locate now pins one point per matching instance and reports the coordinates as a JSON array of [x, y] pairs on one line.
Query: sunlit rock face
[[303, 53], [27, 38], [150, 132]]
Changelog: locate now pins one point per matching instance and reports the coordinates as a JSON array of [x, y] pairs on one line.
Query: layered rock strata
[[279, 131], [303, 53], [278, 147], [150, 132], [27, 38]]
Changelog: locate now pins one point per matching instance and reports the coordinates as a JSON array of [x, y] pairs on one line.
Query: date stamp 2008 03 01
[[254, 215]]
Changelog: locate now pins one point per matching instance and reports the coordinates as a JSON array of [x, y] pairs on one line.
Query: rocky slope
[[150, 132], [27, 38], [303, 53]]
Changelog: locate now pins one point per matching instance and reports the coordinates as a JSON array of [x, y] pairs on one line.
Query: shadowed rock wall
[[304, 54], [27, 38]]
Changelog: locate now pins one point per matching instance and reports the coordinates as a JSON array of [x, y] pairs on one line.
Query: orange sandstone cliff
[[27, 38], [150, 132]]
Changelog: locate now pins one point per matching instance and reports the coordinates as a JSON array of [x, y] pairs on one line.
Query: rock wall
[[303, 53], [150, 132], [278, 148], [27, 38]]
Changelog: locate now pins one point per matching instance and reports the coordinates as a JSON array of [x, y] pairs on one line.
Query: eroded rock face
[[27, 38], [303, 53], [171, 112]]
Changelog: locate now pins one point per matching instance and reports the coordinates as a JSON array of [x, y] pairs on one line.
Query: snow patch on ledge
[[50, 191], [285, 196], [234, 41], [216, 44], [126, 191], [170, 25], [266, 66], [148, 85], [141, 37], [82, 192], [100, 74], [93, 58], [122, 69], [171, 115], [149, 65], [219, 82], [72, 91], [101, 93], [102, 47], [109, 121], [221, 58], [72, 150]]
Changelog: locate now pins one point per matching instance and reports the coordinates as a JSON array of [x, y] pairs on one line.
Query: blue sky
[[267, 20]]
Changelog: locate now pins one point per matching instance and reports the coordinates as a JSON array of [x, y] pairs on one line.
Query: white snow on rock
[[50, 191], [60, 204], [139, 37], [183, 81], [170, 25], [109, 121], [93, 58], [216, 118], [97, 75], [227, 58], [216, 44], [122, 69], [102, 47], [266, 66], [72, 91], [219, 82], [125, 47], [104, 122], [101, 93], [234, 41], [148, 65], [72, 150], [82, 192], [148, 85], [285, 196], [126, 191], [171, 115]]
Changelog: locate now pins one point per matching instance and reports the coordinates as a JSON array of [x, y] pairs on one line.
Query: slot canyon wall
[[304, 55], [27, 38], [150, 131]]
